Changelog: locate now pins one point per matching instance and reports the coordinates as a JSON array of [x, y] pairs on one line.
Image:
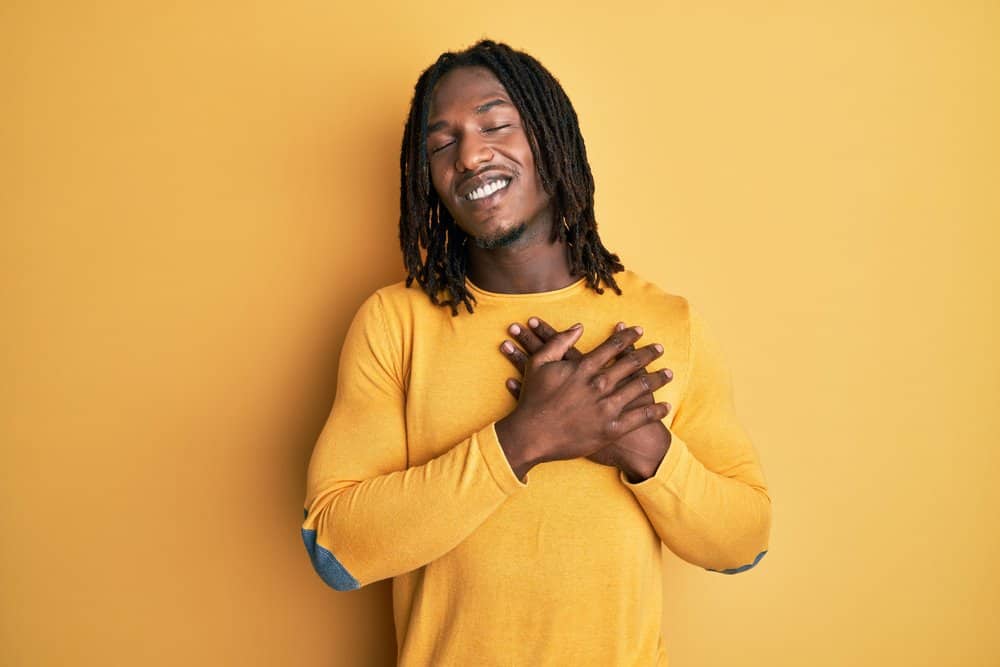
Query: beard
[[503, 240]]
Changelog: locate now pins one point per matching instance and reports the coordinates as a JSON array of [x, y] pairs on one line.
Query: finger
[[610, 379], [526, 337], [633, 361], [514, 387], [620, 327], [633, 419], [555, 348], [545, 331], [514, 355], [644, 384], [624, 381], [638, 371], [644, 399], [610, 348]]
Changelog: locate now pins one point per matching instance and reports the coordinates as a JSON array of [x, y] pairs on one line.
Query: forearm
[[719, 522], [707, 499], [368, 530]]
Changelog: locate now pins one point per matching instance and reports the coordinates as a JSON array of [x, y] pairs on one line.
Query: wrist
[[518, 445], [640, 466]]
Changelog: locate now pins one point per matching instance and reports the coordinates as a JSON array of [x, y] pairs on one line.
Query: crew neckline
[[572, 288]]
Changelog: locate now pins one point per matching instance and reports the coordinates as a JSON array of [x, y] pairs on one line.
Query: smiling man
[[421, 473]]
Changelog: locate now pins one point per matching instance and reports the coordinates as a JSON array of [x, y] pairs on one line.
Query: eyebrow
[[482, 108]]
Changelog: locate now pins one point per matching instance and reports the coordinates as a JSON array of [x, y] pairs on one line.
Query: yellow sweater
[[408, 480]]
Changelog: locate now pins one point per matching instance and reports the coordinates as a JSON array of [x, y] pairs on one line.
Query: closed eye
[[489, 129]]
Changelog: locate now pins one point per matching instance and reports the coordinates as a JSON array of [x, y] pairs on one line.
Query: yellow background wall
[[196, 197]]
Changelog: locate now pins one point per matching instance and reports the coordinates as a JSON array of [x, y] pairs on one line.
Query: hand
[[638, 452], [573, 404]]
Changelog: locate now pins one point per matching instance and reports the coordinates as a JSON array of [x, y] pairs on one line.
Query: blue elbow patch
[[326, 564], [741, 568]]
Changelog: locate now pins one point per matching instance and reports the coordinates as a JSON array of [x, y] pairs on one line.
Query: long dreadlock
[[560, 158]]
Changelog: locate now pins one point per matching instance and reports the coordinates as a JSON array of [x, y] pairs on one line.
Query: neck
[[531, 264]]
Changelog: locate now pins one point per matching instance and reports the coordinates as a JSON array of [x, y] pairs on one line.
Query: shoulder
[[398, 295], [398, 306], [667, 317], [649, 296], [682, 323]]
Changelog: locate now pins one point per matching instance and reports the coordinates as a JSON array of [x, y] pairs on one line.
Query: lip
[[490, 199], [474, 184]]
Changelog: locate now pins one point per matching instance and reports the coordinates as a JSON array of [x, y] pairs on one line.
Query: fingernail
[[576, 326], [514, 329], [638, 330], [658, 347], [507, 347], [532, 322], [620, 326]]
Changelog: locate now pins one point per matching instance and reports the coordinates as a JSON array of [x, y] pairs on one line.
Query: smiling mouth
[[487, 193]]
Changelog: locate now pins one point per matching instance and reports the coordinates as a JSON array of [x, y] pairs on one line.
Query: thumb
[[557, 346]]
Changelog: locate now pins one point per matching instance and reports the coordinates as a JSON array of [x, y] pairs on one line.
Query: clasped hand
[[598, 405]]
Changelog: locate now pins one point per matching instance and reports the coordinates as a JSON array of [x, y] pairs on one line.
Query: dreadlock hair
[[560, 157]]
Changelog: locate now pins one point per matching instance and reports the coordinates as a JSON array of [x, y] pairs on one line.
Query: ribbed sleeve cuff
[[496, 460], [676, 453]]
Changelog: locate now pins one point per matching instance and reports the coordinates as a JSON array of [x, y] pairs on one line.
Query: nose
[[473, 150]]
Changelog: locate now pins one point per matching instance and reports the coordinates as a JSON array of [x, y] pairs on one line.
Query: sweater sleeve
[[708, 499], [368, 516]]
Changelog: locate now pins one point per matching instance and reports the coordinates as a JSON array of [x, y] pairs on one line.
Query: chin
[[502, 239]]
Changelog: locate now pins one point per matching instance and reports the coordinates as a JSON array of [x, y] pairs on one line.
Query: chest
[[457, 373]]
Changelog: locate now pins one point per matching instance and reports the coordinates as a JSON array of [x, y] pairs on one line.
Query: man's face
[[476, 139]]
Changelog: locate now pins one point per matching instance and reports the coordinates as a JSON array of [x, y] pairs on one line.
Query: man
[[421, 472]]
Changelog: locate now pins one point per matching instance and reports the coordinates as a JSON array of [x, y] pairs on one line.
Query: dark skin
[[466, 147], [571, 404], [638, 453]]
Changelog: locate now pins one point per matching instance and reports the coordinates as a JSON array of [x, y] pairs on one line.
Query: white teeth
[[487, 189]]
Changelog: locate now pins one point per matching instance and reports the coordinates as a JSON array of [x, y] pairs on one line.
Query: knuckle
[[607, 410], [599, 382], [644, 381]]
